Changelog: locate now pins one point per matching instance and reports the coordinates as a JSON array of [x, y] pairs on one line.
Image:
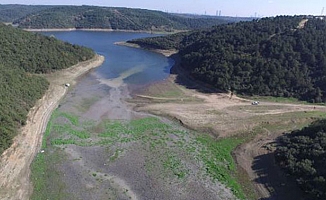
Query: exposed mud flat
[[123, 158]]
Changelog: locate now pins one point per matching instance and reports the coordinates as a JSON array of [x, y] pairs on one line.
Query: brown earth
[[15, 161], [225, 115]]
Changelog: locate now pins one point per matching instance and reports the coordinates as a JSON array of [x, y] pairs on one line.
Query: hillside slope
[[270, 56], [12, 12], [112, 18], [23, 54], [302, 155]]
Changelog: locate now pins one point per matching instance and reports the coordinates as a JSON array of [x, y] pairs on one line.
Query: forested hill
[[22, 54], [302, 155], [269, 56], [89, 17], [12, 12]]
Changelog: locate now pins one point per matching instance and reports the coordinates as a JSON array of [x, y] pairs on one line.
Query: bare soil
[[225, 115], [92, 171], [15, 161]]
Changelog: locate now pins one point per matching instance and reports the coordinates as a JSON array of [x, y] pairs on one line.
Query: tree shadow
[[279, 185], [183, 78]]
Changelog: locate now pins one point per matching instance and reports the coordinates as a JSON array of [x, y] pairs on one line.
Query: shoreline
[[99, 30], [15, 162], [166, 53]]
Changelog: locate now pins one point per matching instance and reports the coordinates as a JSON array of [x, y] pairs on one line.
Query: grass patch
[[219, 163], [174, 164], [48, 129], [157, 138], [74, 120], [46, 178]]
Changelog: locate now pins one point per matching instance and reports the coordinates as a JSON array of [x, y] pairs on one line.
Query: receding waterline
[[123, 65]]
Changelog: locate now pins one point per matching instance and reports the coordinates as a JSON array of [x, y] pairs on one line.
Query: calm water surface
[[136, 65], [100, 94]]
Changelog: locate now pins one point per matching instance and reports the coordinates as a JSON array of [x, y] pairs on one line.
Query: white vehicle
[[255, 103]]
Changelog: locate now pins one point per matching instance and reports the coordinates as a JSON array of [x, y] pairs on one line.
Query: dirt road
[[223, 116], [15, 161]]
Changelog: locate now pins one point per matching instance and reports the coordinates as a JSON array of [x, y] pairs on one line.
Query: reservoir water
[[102, 92], [141, 66], [99, 147]]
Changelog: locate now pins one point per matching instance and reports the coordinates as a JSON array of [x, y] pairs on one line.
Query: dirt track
[[15, 161], [224, 116]]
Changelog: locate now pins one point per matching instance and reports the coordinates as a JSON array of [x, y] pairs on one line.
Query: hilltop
[[114, 18], [282, 56], [11, 12]]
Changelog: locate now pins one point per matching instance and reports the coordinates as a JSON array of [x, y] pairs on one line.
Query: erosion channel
[[97, 146]]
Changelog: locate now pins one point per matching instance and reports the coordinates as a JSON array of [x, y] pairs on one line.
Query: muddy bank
[[112, 151], [15, 161]]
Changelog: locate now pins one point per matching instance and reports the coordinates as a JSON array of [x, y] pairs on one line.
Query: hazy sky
[[227, 7]]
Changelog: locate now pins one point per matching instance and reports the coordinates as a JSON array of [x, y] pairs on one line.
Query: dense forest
[[23, 54], [11, 12], [269, 56], [114, 18], [303, 155]]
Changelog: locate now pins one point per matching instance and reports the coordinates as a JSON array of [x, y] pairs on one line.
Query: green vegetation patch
[[45, 175], [219, 162], [174, 164], [169, 151]]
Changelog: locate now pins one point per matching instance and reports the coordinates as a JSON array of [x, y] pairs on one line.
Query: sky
[[241, 8]]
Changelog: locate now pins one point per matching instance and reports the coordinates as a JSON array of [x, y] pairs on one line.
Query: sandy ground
[[15, 161], [224, 116]]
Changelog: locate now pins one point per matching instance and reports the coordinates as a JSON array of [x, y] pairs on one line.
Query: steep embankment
[[91, 17], [270, 57]]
